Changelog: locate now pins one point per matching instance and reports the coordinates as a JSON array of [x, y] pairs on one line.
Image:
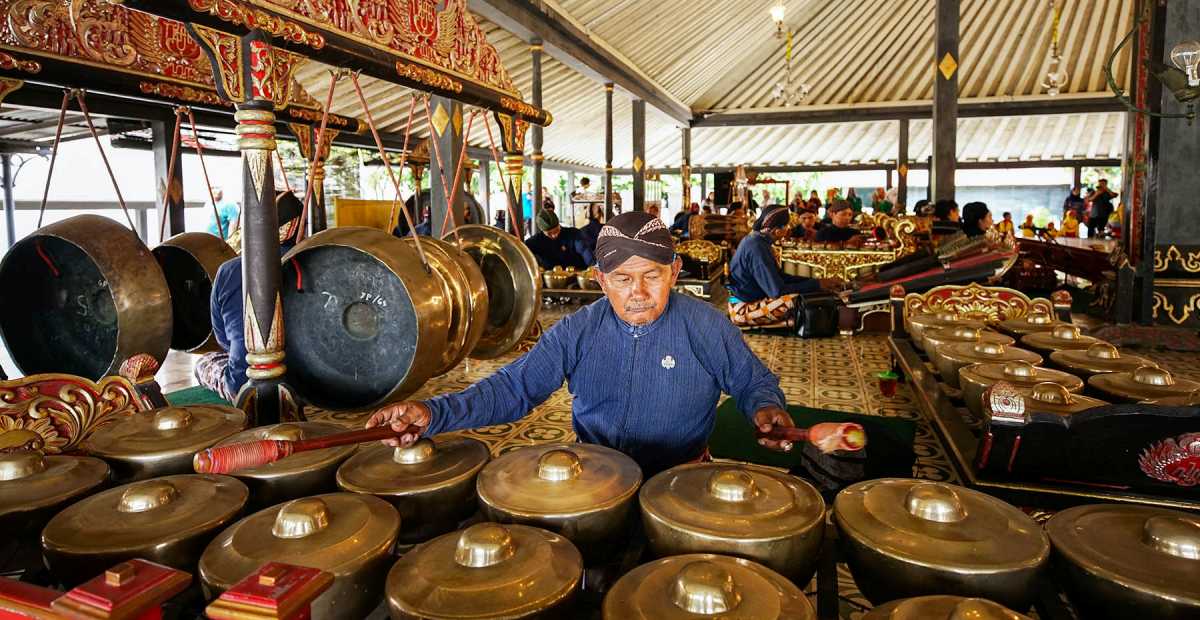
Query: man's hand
[[399, 416], [768, 418]]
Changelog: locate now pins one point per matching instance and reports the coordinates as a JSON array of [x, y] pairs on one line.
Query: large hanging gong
[[365, 322], [464, 288], [80, 297], [513, 284], [190, 262]]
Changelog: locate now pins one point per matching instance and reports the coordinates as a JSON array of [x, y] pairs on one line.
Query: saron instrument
[[1123, 561], [977, 378], [487, 570], [189, 262], [161, 442], [687, 587], [741, 510], [298, 475], [1144, 383], [906, 538], [347, 534], [431, 483], [166, 520], [81, 296]]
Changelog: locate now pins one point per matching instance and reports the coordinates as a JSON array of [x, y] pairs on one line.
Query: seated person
[[760, 294], [590, 233], [1005, 226], [977, 219], [680, 226], [224, 371], [1070, 226], [808, 228], [945, 218], [645, 366], [554, 245], [1028, 228], [840, 228]]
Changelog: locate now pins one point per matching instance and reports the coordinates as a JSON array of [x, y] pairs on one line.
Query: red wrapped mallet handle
[[238, 456], [827, 436]]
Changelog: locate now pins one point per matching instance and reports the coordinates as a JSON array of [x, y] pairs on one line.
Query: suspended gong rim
[[523, 275], [209, 252]]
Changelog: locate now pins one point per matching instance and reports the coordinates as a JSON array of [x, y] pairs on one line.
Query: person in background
[[945, 218], [766, 199], [547, 200], [527, 207], [500, 221], [1051, 231], [654, 210], [1102, 208], [854, 201], [760, 294], [585, 185], [832, 195], [588, 235], [922, 208], [893, 196], [976, 219], [227, 210], [554, 245], [1074, 202], [814, 201], [840, 229], [682, 219], [707, 210], [1005, 226], [1028, 230], [807, 230], [879, 201], [708, 203], [797, 205], [1070, 225]]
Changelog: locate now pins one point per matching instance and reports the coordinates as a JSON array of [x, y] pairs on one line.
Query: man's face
[[553, 233], [842, 218], [639, 289], [808, 219], [1103, 184], [986, 222], [694, 209], [953, 215], [777, 234]]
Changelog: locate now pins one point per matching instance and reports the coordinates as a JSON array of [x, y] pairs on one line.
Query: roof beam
[[913, 165], [966, 109], [572, 45]]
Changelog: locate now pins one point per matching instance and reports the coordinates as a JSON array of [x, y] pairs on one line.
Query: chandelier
[[1056, 75], [785, 92]]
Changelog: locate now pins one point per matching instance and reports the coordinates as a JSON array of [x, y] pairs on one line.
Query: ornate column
[[512, 135], [255, 76], [902, 165], [448, 131], [305, 139], [162, 132], [685, 170]]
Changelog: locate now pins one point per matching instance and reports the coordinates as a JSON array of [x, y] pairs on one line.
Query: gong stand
[[251, 78]]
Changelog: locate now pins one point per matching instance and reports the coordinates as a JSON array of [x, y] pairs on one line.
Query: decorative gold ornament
[[428, 76], [59, 411], [241, 15], [10, 62], [9, 86], [1168, 309], [990, 303], [1189, 263], [440, 119], [948, 66]]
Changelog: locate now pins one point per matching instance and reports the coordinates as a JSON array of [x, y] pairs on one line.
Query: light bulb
[[1186, 56], [1056, 77], [777, 13]]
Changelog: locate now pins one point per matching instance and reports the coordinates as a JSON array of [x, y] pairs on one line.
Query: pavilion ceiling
[[722, 56]]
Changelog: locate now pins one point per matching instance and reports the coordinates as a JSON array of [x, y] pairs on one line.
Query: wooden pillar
[[1077, 177], [902, 165], [539, 198], [448, 131], [162, 138], [945, 100], [703, 189], [685, 170], [485, 183], [10, 203], [887, 184], [608, 151], [639, 155]]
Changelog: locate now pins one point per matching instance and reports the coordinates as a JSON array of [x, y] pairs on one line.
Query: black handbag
[[817, 315]]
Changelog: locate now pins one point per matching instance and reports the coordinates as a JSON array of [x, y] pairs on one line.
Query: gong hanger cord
[[204, 169], [170, 180], [451, 194], [62, 117], [283, 171], [317, 142], [508, 197], [388, 166], [79, 96]]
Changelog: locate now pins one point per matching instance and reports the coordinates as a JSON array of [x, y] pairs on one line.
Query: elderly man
[[555, 246], [645, 365]]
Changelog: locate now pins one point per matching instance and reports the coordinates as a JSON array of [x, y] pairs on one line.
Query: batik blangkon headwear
[[633, 234], [546, 220], [772, 217]]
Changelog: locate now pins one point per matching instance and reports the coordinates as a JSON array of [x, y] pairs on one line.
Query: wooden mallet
[[826, 436], [238, 456]]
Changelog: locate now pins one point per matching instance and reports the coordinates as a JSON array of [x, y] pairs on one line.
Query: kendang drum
[[955, 356], [687, 587], [582, 491], [907, 538], [488, 570], [1123, 561], [513, 285], [943, 608], [190, 261], [431, 483], [1144, 383], [366, 324], [347, 534], [146, 444], [297, 475], [742, 510], [81, 296], [166, 520]]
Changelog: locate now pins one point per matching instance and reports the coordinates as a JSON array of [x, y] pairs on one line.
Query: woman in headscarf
[[760, 294], [854, 201], [976, 219]]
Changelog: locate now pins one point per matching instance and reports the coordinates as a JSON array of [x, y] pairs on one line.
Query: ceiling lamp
[[784, 92], [1184, 82], [777, 13], [1056, 76]]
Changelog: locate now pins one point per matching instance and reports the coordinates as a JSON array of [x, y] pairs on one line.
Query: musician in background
[[590, 233], [1005, 225], [840, 228], [1028, 228], [976, 219], [555, 245], [807, 230], [760, 293], [227, 210], [1070, 226]]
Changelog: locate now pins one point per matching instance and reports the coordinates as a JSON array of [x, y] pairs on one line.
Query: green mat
[[733, 437], [197, 395]]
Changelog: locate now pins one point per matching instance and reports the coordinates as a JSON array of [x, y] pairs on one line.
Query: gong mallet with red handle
[[826, 436], [239, 456]]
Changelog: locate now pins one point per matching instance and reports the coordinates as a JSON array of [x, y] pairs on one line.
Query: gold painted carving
[[182, 93], [975, 301], [59, 411], [1168, 309], [1189, 263], [427, 76], [242, 15], [12, 63], [9, 86]]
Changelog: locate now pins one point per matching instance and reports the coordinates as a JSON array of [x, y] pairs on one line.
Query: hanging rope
[[309, 193], [62, 118], [286, 183], [79, 96], [451, 195], [204, 168], [391, 175], [175, 138], [412, 106], [512, 216]]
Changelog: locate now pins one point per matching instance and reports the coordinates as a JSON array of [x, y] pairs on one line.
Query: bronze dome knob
[[147, 495], [1024, 370], [1151, 375], [732, 485], [1066, 331], [300, 518], [966, 332], [420, 452], [1039, 318], [484, 544], [994, 349], [1103, 351], [287, 432], [1173, 535], [17, 465], [705, 588], [935, 502], [1052, 393], [172, 418], [559, 465]]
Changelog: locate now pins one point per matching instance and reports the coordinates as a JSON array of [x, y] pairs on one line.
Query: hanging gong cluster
[[370, 317]]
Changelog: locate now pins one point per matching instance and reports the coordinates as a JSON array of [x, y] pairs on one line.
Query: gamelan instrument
[[943, 608], [918, 324], [955, 356], [235, 457], [284, 477], [83, 295], [1121, 561], [431, 483], [347, 534], [583, 491], [587, 280], [488, 570], [1062, 337], [33, 487], [463, 284], [936, 339], [166, 520], [741, 510], [514, 290], [1097, 359], [977, 378], [826, 436], [687, 587], [558, 278], [1035, 322], [161, 442], [1142, 383], [905, 538], [189, 262]]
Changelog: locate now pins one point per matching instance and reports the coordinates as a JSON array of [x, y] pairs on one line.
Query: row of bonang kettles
[[366, 320]]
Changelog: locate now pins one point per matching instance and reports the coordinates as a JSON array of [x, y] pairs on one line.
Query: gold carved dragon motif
[[975, 301], [55, 412]]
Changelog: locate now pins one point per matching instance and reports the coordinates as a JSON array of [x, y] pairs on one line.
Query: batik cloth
[[766, 311]]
